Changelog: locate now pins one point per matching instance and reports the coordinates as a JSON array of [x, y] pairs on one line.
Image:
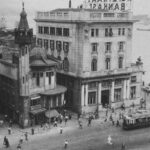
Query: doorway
[[105, 98]]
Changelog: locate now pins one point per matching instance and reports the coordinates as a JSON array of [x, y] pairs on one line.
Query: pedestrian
[[6, 142], [10, 123], [55, 123], [32, 131], [26, 136], [66, 119], [9, 130], [19, 146], [61, 130], [117, 123], [21, 139], [123, 146], [89, 121], [109, 140], [113, 122], [70, 116], [66, 144]]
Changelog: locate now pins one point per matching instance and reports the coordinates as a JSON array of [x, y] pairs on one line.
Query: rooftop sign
[[113, 5]]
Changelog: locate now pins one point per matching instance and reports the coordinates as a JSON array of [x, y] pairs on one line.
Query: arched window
[[66, 64], [94, 65], [107, 63], [120, 62]]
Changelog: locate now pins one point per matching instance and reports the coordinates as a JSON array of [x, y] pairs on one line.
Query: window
[[123, 31], [107, 63], [94, 47], [108, 32], [59, 31], [37, 79], [133, 92], [40, 29], [66, 64], [97, 32], [118, 82], [120, 62], [49, 75], [52, 31], [108, 46], [46, 30], [92, 32], [65, 32], [121, 46], [117, 95], [66, 47], [52, 45], [133, 79], [39, 42], [119, 31], [94, 65], [23, 80], [58, 46], [46, 44], [91, 98], [35, 102]]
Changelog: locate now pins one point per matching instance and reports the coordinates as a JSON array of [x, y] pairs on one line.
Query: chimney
[[69, 3]]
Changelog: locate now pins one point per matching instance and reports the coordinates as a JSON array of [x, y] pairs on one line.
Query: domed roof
[[38, 52]]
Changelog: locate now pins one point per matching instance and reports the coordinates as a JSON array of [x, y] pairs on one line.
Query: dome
[[23, 13], [38, 52]]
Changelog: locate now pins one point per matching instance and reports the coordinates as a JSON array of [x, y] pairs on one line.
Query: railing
[[83, 15]]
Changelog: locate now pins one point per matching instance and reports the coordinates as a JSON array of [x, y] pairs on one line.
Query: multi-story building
[[95, 47], [28, 89]]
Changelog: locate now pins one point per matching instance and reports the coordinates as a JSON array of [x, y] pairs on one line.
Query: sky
[[11, 9]]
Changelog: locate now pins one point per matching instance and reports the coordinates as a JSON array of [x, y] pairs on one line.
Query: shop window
[[133, 92], [66, 32], [117, 95], [59, 31], [52, 31], [120, 62], [91, 98], [94, 65]]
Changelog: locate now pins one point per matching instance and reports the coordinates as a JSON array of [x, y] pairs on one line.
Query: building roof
[[39, 57], [23, 24], [58, 90]]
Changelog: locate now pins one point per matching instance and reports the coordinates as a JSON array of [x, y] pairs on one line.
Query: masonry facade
[[95, 47], [28, 86]]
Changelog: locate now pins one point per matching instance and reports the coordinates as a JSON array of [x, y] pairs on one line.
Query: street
[[89, 138]]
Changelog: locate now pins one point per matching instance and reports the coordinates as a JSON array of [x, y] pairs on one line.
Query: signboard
[[109, 5]]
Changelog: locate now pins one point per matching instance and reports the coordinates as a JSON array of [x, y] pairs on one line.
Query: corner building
[[95, 47]]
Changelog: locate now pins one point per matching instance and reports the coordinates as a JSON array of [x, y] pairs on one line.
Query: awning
[[57, 90], [51, 113], [37, 111]]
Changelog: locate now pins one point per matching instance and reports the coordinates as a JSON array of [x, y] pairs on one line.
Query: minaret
[[70, 4], [23, 37]]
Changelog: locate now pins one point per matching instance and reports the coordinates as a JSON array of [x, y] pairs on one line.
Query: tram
[[140, 119]]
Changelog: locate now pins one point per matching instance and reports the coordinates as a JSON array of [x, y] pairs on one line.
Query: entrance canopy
[[51, 113], [37, 111]]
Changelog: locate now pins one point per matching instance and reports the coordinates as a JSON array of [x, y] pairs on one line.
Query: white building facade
[[95, 47]]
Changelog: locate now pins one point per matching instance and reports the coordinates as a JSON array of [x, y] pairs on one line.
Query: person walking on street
[[109, 140], [55, 123], [9, 130], [21, 139], [118, 123], [6, 142], [26, 136], [66, 144], [61, 130], [66, 119], [123, 146]]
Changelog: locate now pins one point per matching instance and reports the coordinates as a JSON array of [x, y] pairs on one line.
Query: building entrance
[[105, 98]]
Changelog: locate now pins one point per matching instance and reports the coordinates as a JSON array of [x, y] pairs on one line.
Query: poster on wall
[[109, 5]]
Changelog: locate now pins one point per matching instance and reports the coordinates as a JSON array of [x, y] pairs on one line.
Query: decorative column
[[128, 89], [82, 96], [62, 99], [86, 94], [99, 93], [124, 90], [112, 91]]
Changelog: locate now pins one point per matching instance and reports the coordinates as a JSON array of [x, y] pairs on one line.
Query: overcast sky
[[11, 9]]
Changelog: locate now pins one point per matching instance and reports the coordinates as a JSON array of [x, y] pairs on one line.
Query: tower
[[70, 4], [23, 37]]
